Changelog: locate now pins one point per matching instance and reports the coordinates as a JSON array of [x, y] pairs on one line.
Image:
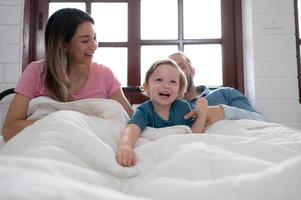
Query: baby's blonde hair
[[182, 77]]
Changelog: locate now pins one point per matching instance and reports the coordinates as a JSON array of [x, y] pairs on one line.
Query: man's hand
[[214, 114]]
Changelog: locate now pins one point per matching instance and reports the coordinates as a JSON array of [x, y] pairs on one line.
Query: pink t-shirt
[[101, 82]]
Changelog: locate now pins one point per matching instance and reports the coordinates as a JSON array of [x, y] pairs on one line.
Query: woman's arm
[[125, 155], [120, 97], [15, 120]]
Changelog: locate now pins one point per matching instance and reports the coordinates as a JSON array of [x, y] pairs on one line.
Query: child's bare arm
[[198, 125], [125, 155]]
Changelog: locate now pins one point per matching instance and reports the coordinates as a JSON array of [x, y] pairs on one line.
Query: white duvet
[[70, 154]]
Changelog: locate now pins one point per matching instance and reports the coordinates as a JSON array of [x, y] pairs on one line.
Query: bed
[[69, 154]]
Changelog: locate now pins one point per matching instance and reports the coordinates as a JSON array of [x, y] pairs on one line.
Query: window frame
[[298, 46], [35, 18]]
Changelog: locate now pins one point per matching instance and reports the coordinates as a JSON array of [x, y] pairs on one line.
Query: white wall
[[11, 33], [269, 51], [270, 59]]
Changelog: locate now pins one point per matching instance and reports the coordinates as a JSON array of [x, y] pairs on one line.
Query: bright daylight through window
[[170, 28]]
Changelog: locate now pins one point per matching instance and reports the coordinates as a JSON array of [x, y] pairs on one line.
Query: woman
[[67, 72]]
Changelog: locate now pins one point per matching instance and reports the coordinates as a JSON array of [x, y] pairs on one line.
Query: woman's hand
[[119, 96], [125, 155], [15, 120]]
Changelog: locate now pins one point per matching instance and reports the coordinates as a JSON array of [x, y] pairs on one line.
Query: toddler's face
[[163, 85]]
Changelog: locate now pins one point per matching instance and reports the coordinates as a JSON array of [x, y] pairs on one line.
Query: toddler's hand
[[200, 108], [125, 155], [201, 105]]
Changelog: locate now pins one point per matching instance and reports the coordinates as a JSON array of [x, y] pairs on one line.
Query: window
[[297, 4], [134, 33]]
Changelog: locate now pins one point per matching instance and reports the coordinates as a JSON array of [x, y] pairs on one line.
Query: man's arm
[[231, 112], [227, 103], [234, 104], [216, 113]]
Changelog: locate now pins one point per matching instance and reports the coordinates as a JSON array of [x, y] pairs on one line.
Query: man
[[223, 103]]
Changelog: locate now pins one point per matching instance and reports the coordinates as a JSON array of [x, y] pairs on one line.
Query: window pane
[[111, 21], [54, 6], [150, 54], [202, 19], [207, 61], [159, 19], [116, 59]]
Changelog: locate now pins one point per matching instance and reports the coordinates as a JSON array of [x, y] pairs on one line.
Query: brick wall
[[11, 29], [270, 59]]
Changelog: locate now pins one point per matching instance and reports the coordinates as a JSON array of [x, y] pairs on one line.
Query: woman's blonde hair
[[60, 29], [182, 77]]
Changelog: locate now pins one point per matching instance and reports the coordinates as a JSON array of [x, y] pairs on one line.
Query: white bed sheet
[[69, 154]]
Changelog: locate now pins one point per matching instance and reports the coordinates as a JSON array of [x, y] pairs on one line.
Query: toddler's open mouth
[[164, 94]]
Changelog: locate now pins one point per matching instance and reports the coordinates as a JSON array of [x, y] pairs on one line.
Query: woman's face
[[82, 46], [163, 85]]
